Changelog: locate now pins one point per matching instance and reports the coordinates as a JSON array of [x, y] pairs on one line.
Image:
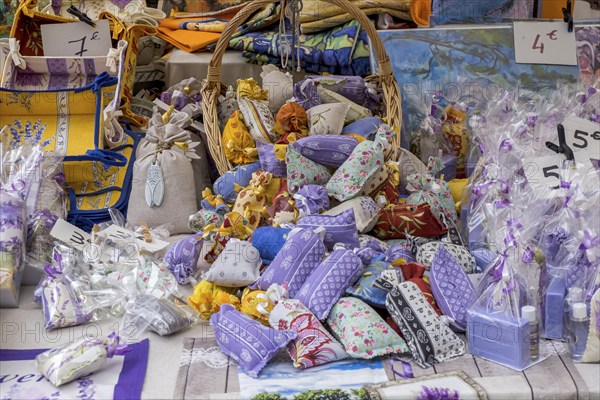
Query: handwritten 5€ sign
[[541, 42], [582, 134]]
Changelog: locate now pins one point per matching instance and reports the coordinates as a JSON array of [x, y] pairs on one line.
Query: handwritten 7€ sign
[[76, 39], [544, 43]]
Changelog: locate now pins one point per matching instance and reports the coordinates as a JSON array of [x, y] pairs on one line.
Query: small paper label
[[544, 43], [543, 173], [121, 235], [76, 39], [582, 134], [70, 235]]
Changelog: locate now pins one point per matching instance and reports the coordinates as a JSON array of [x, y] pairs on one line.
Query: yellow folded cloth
[[179, 32]]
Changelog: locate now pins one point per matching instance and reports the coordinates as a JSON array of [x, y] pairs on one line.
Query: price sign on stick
[[543, 173], [544, 43], [76, 39], [582, 134]]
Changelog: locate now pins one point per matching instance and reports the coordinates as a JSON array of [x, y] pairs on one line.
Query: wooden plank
[[583, 392], [417, 371], [513, 387], [203, 380], [489, 368], [550, 379], [464, 363], [183, 372]]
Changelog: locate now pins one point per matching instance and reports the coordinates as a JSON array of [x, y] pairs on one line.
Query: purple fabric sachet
[[329, 281], [182, 257], [299, 256], [339, 228], [312, 199], [269, 161], [248, 342], [328, 150]]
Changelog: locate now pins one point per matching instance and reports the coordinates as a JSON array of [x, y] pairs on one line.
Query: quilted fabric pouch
[[238, 265], [269, 240], [328, 150], [182, 258], [238, 176], [302, 171], [300, 255], [272, 158], [329, 281], [251, 201], [258, 119], [429, 339], [366, 159], [453, 291], [339, 228], [366, 211], [365, 288], [427, 251], [247, 341], [362, 331], [314, 344], [238, 145], [435, 192], [327, 119], [396, 220]]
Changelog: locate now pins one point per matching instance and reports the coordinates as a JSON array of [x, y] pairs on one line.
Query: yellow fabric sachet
[[251, 201], [252, 305], [456, 188], [207, 298], [250, 88], [238, 145]]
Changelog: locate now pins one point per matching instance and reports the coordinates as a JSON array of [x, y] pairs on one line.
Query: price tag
[[543, 173], [71, 235], [123, 236], [544, 43], [582, 134], [76, 39]]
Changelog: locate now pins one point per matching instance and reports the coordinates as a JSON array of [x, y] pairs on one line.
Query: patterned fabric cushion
[[429, 339], [328, 281], [203, 218], [302, 171], [366, 127], [339, 228], [365, 288], [365, 209], [227, 105], [453, 291], [247, 341], [240, 175], [395, 220], [299, 256], [269, 240], [272, 158], [182, 257], [364, 162], [314, 344], [355, 111], [327, 119], [258, 119], [238, 145], [329, 150], [427, 251], [362, 331], [238, 265]]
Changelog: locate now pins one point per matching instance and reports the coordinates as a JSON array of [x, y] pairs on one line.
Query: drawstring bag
[[251, 201], [163, 190]]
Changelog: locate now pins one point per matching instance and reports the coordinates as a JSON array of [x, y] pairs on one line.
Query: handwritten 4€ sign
[[544, 43]]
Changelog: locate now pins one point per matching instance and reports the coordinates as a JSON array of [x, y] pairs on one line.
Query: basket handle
[[214, 67]]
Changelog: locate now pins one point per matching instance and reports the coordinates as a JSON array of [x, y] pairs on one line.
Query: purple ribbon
[[506, 145], [565, 185], [498, 204], [588, 241], [407, 371], [595, 118], [531, 120], [52, 270], [528, 255], [513, 223], [113, 348]]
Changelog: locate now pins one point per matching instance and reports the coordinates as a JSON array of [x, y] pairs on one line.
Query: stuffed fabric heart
[[314, 344], [182, 257], [247, 341]]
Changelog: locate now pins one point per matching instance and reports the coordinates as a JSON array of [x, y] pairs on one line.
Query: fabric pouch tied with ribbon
[[163, 190], [251, 201], [82, 357]]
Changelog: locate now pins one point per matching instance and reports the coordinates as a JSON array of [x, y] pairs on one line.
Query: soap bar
[[553, 308], [498, 337]]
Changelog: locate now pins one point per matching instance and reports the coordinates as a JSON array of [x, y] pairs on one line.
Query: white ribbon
[[18, 60]]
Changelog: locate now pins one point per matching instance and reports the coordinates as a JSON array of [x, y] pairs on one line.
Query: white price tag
[[71, 235], [582, 134], [543, 173], [544, 43], [76, 39], [121, 235]]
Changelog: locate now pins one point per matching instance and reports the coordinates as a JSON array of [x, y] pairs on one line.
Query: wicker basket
[[213, 87]]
